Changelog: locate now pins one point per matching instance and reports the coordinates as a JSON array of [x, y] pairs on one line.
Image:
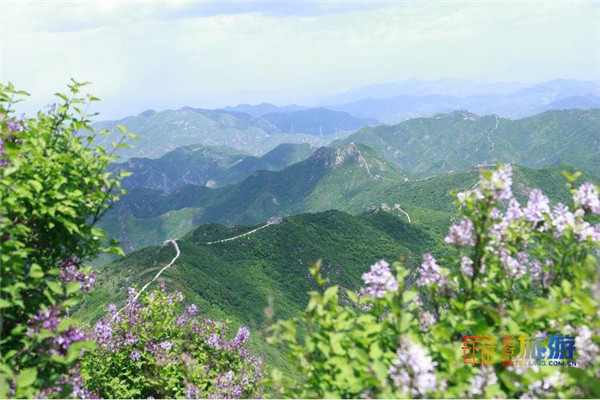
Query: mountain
[[582, 102], [263, 108], [316, 121], [164, 131], [345, 177], [415, 88], [331, 178], [235, 278], [461, 140], [206, 166], [422, 101]]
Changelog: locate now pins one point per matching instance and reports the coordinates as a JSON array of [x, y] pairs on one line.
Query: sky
[[167, 54]]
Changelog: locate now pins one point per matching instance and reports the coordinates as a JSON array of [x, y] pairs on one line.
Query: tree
[[53, 189]]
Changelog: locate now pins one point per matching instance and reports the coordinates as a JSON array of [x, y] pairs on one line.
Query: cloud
[[167, 55]]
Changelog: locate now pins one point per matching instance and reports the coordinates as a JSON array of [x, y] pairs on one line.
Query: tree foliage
[[53, 189]]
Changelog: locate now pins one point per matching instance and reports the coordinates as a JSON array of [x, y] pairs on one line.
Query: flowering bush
[[515, 271], [150, 348], [53, 188]]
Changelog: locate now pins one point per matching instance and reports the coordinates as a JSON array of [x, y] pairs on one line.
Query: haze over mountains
[[257, 129]]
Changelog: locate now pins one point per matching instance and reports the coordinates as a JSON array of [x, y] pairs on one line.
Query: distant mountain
[[164, 131], [316, 121], [206, 166], [461, 140], [263, 108], [581, 102], [415, 87], [520, 103]]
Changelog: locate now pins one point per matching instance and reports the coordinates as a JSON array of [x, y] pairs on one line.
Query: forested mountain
[[235, 278], [210, 166], [460, 140], [164, 131]]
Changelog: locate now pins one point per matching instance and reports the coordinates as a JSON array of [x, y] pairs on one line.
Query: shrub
[[53, 189], [151, 348], [528, 271]]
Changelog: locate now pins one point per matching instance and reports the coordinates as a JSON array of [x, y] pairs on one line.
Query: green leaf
[[26, 377], [36, 271], [55, 286]]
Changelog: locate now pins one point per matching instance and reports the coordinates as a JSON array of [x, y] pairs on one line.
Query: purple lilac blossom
[[379, 280], [430, 272], [501, 182], [192, 310], [70, 272], [242, 336], [537, 206], [461, 234], [466, 267], [191, 391], [166, 345], [135, 355], [413, 370], [562, 218], [587, 197]]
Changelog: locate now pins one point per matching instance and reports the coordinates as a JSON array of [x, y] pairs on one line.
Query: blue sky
[[167, 54]]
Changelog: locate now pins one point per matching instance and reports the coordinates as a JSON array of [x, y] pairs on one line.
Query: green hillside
[[235, 278], [164, 131], [210, 166], [332, 178], [460, 140]]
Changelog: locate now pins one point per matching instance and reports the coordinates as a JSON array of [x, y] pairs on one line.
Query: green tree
[[53, 189]]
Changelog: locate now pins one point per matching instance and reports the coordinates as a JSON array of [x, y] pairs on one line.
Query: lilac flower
[[462, 234], [70, 272], [242, 336], [562, 218], [135, 355], [466, 266], [161, 286], [537, 206], [166, 345], [130, 339], [514, 212], [485, 377], [191, 391], [214, 341], [585, 231], [536, 270], [427, 319], [111, 308], [192, 309], [103, 333], [131, 293], [413, 370], [181, 320], [63, 341], [515, 268], [587, 197], [501, 182], [430, 272], [46, 319], [379, 279]]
